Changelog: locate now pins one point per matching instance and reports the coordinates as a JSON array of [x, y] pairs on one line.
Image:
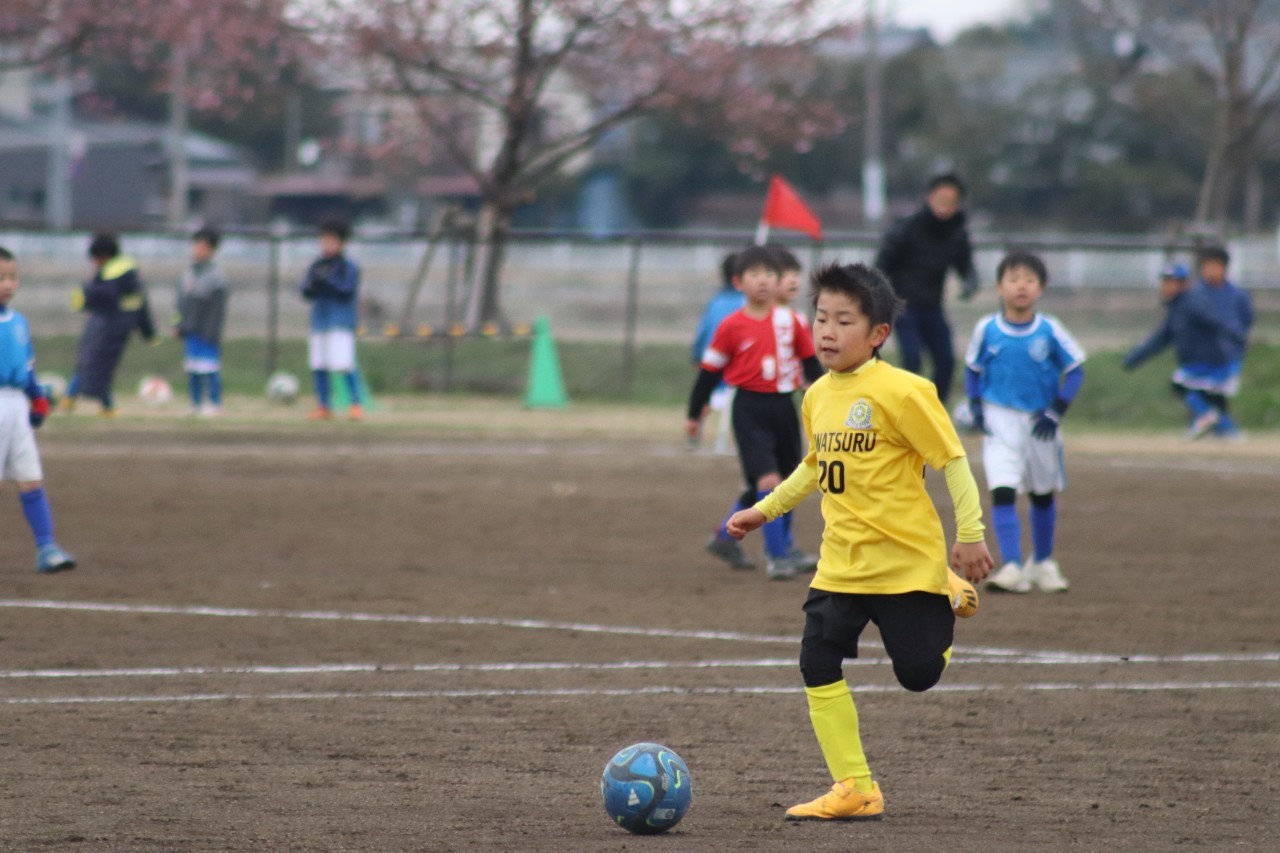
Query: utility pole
[[873, 199], [292, 128], [176, 217], [58, 177]]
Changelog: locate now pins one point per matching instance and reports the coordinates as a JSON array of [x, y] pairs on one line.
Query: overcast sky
[[948, 17]]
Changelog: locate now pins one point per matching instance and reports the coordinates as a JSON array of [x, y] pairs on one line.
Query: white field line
[[623, 692], [584, 627], [425, 619], [402, 618], [583, 666]]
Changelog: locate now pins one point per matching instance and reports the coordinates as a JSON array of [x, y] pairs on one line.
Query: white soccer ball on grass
[[283, 387], [155, 390]]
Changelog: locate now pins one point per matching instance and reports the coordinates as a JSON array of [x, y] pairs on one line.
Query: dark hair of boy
[[336, 227], [726, 270], [786, 260], [947, 179], [1019, 258], [104, 246], [5, 254], [1214, 253], [755, 256], [865, 285], [209, 236]]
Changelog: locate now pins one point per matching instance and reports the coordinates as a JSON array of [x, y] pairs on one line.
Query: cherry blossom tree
[[37, 32], [217, 54], [511, 92]]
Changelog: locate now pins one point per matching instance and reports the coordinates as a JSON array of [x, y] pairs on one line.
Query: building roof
[[35, 134]]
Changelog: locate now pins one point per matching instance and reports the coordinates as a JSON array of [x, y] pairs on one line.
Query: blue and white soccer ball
[[646, 788], [283, 387]]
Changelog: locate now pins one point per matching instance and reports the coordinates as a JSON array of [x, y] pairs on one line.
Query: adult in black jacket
[[916, 253]]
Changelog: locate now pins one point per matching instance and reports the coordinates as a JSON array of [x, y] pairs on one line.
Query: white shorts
[[19, 458], [722, 398], [1016, 460], [333, 349]]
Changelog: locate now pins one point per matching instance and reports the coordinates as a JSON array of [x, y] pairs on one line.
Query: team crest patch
[[859, 416]]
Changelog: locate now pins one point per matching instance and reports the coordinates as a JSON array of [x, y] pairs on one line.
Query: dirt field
[[398, 638]]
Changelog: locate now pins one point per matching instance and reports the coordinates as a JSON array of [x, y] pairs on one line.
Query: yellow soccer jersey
[[870, 433]]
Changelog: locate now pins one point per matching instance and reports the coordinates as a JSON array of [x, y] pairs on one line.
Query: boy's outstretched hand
[[971, 558], [744, 521]]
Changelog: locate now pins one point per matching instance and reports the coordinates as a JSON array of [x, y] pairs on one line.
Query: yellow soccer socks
[[853, 796], [835, 722]]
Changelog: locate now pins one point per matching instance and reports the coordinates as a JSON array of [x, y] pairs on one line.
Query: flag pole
[[762, 233]]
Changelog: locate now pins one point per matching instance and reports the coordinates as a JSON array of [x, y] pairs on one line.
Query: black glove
[[1046, 426], [970, 286], [975, 413]]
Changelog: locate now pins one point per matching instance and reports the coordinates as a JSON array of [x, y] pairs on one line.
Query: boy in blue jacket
[[1198, 337], [1234, 310], [332, 286]]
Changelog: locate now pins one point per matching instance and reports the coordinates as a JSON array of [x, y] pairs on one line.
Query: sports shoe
[[842, 802], [1046, 575], [1231, 435], [209, 411], [780, 569], [964, 598], [730, 551], [1202, 425], [50, 558], [1009, 578], [355, 413], [801, 561], [320, 413]]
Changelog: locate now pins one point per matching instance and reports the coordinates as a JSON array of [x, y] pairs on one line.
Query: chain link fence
[[642, 288]]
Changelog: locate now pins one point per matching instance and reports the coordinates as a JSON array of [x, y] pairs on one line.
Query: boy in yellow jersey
[[872, 428]]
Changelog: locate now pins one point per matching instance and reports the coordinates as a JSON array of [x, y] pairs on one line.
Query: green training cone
[[546, 384]]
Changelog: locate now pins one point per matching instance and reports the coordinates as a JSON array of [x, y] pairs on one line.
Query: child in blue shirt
[[727, 300], [1234, 312], [23, 408], [1198, 337], [332, 286], [1022, 371]]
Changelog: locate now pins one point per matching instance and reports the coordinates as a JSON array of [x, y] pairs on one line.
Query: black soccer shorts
[[767, 431], [916, 627]]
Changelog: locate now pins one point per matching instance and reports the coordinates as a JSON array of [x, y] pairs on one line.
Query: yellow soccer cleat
[[964, 598], [842, 802]]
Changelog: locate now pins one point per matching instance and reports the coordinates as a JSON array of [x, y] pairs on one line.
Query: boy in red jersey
[[750, 350]]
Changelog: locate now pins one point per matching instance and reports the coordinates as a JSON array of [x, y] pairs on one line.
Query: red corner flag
[[783, 208]]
